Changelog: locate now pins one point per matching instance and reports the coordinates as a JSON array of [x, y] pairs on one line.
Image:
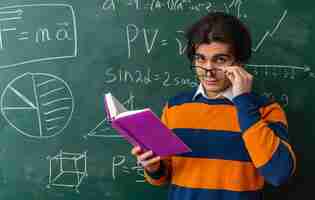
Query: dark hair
[[220, 27]]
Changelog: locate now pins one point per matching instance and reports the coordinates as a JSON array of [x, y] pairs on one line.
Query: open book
[[143, 128]]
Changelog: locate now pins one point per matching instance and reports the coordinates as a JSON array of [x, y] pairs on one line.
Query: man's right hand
[[147, 159]]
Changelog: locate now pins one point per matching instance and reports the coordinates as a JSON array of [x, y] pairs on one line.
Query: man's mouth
[[211, 82]]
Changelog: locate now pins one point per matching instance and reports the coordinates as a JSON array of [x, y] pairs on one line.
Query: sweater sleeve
[[163, 174], [265, 135]]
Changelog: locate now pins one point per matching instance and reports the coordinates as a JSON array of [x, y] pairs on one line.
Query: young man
[[238, 139]]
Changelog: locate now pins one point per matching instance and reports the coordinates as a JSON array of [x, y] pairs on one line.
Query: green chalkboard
[[58, 58]]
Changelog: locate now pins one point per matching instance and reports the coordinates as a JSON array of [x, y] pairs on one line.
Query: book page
[[131, 112], [118, 106], [114, 106], [110, 105]]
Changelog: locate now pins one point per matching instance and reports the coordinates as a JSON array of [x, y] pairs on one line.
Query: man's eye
[[199, 58], [221, 60]]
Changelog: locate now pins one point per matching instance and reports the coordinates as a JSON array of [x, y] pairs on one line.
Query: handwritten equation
[[151, 38], [26, 35], [280, 71], [175, 6], [146, 77], [121, 166]]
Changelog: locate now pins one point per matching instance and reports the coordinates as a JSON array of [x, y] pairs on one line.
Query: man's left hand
[[241, 80]]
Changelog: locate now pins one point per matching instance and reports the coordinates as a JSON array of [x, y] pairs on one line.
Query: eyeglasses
[[218, 63], [201, 72]]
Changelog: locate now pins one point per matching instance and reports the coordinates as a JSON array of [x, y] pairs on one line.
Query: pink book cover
[[151, 134], [146, 130]]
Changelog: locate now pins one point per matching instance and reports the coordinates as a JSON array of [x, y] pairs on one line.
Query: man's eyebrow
[[215, 55], [222, 55], [199, 54]]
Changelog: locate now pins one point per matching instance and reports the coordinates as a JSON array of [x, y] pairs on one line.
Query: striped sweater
[[236, 146]]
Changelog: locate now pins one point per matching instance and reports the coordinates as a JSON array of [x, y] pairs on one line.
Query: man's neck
[[213, 95]]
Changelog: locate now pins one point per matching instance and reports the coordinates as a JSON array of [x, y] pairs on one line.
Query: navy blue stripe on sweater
[[213, 144], [280, 130], [279, 168]]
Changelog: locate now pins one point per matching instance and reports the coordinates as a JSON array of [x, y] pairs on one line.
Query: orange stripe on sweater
[[203, 116], [215, 174]]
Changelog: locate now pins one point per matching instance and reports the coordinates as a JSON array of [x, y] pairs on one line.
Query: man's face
[[209, 60]]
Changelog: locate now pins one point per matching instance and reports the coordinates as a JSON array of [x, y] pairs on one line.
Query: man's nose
[[210, 72], [209, 65]]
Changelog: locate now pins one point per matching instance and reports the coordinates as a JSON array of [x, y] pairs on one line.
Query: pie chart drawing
[[37, 105]]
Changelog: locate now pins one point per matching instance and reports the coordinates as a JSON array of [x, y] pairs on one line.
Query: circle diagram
[[38, 105]]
